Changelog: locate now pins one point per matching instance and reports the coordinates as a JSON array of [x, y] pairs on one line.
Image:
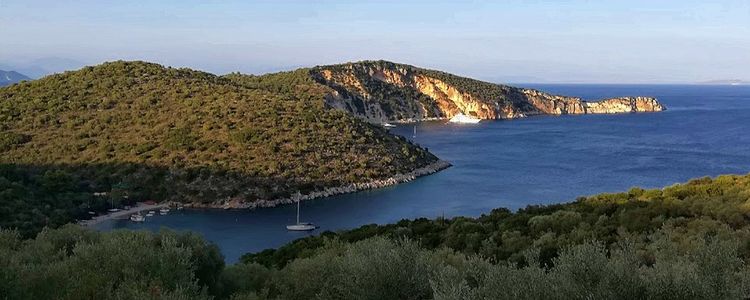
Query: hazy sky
[[528, 41]]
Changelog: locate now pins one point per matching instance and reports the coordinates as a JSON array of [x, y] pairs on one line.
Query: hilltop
[[141, 131]]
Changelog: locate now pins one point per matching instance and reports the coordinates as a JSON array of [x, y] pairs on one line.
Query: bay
[[515, 163]]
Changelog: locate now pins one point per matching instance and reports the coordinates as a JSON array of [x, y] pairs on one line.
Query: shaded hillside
[[184, 135], [384, 91], [11, 77]]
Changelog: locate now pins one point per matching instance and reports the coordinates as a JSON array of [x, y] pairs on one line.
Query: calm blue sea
[[538, 160]]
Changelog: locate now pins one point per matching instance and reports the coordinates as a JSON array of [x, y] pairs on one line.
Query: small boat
[[300, 226], [180, 207], [137, 217], [464, 119], [150, 214], [113, 210], [388, 125]]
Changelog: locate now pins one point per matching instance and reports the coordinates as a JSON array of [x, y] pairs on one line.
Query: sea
[[705, 131]]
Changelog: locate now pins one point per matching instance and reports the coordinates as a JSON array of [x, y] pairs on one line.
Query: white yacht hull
[[300, 227], [464, 119]]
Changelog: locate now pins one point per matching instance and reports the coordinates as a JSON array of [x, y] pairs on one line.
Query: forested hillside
[[688, 241], [145, 131]]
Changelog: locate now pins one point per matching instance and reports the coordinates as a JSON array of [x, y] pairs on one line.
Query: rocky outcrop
[[623, 105], [238, 203], [387, 92]]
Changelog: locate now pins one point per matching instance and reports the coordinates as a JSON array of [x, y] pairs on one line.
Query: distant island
[[11, 77], [726, 82], [122, 132]]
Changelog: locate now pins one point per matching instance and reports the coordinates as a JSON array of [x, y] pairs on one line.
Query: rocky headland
[[381, 91]]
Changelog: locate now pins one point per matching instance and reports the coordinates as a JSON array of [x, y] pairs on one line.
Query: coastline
[[327, 192], [122, 214]]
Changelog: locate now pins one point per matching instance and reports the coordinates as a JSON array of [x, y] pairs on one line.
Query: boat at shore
[[464, 119], [164, 211], [137, 217], [388, 125]]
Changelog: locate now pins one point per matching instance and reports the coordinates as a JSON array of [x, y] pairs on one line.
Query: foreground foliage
[[72, 263], [75, 263], [686, 241]]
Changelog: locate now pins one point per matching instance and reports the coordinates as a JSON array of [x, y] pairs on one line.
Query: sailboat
[[300, 226]]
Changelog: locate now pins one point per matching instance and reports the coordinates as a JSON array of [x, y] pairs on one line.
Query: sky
[[560, 41]]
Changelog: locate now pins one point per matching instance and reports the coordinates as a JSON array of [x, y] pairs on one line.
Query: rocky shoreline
[[327, 192]]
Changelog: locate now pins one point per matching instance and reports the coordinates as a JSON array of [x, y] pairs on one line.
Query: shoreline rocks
[[327, 192]]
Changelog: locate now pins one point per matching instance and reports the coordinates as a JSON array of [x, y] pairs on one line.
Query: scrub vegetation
[[150, 132]]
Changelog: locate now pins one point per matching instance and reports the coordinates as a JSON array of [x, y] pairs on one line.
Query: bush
[[8, 140]]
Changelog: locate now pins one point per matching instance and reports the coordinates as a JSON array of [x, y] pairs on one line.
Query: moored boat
[[464, 119], [137, 217], [300, 226]]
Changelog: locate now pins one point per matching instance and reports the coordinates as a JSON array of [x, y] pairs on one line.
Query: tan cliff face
[[624, 105], [383, 92]]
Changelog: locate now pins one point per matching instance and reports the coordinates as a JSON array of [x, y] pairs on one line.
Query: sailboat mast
[[297, 211]]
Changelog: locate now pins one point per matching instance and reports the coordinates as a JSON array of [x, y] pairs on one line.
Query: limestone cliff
[[381, 91]]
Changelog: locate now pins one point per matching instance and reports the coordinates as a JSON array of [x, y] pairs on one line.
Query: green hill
[[136, 131], [145, 131]]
